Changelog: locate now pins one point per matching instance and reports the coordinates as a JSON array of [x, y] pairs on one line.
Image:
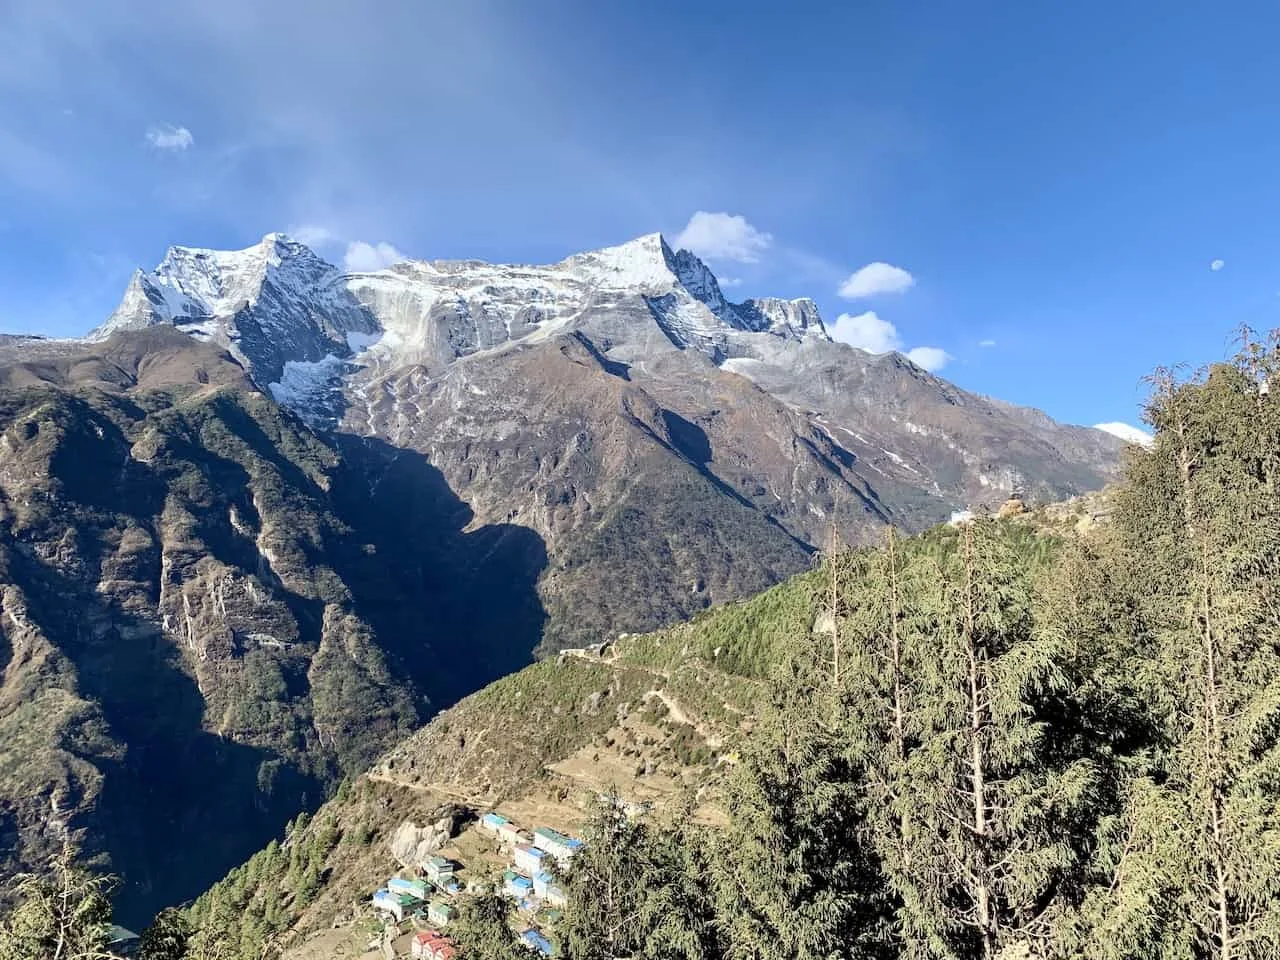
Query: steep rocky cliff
[[210, 615]]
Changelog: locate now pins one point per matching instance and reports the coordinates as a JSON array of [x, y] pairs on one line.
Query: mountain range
[[566, 398], [271, 515]]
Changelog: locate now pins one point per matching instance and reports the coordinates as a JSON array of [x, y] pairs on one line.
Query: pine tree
[[792, 875], [166, 938], [65, 915], [973, 806], [1202, 514], [482, 930], [639, 890], [1124, 898]]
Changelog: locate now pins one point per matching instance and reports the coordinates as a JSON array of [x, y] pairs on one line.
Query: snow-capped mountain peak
[[270, 304], [294, 320], [193, 283], [643, 264]]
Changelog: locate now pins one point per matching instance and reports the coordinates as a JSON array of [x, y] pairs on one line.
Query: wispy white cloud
[[726, 282], [723, 236], [871, 332], [1126, 432], [169, 137], [1216, 265], [364, 257], [986, 343], [874, 279], [314, 235], [932, 359]]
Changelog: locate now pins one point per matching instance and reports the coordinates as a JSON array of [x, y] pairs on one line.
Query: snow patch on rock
[[305, 382]]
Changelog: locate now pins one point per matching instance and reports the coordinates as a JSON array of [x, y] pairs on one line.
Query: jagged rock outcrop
[[411, 845]]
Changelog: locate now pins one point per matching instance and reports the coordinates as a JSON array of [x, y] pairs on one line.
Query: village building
[[508, 832], [413, 888], [516, 886], [439, 913], [493, 822], [557, 844], [537, 942], [541, 882], [528, 859], [547, 890], [121, 942], [430, 945], [438, 870], [398, 905]]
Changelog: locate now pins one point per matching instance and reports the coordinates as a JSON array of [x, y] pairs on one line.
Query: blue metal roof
[[536, 940]]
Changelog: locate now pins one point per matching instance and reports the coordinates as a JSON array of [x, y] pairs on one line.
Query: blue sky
[[1051, 180]]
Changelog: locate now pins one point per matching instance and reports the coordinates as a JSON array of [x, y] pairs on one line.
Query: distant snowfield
[[1127, 433]]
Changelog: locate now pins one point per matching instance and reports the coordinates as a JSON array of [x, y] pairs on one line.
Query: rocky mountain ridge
[[336, 337]]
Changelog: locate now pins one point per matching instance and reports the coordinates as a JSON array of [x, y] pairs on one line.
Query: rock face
[[208, 614], [410, 844], [270, 515]]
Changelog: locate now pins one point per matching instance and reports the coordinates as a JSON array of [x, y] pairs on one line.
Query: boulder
[[411, 844]]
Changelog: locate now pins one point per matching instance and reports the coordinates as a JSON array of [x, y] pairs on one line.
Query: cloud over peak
[[168, 137], [932, 359], [364, 257], [723, 236], [313, 234], [868, 331], [874, 279]]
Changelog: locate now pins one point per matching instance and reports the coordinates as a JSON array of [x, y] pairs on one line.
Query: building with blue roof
[[535, 941]]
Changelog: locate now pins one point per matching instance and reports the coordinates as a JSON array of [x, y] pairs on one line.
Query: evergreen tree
[[482, 930], [637, 890], [166, 938], [974, 807], [65, 915], [792, 875], [1202, 511]]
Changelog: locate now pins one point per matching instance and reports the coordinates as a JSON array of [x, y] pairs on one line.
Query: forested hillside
[[987, 741]]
